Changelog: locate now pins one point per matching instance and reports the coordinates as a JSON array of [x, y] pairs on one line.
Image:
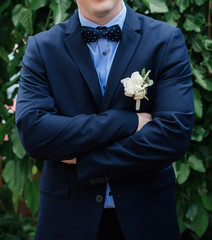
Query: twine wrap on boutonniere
[[136, 86]]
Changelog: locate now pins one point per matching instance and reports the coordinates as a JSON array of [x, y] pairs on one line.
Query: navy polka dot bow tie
[[90, 34]]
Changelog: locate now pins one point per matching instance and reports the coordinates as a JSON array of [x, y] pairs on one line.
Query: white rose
[[137, 79], [133, 85], [136, 86], [140, 95], [128, 87]]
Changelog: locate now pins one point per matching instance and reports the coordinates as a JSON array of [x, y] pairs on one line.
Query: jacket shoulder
[[156, 28], [53, 34]]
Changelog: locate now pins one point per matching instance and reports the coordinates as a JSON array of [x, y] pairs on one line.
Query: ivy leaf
[[182, 4], [192, 212], [208, 64], [198, 72], [200, 222], [26, 20], [13, 176], [23, 16], [3, 54], [3, 112], [15, 199], [198, 102], [180, 213], [156, 6], [207, 44], [200, 2], [197, 45], [207, 59], [16, 14], [59, 9], [138, 5], [15, 179], [207, 200], [207, 195], [199, 133], [36, 4], [196, 163], [4, 5], [172, 16], [26, 166], [182, 171], [32, 196], [191, 24], [17, 146]]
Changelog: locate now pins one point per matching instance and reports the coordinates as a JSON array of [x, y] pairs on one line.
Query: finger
[[71, 161]]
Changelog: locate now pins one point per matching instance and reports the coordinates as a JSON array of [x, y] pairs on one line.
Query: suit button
[[102, 180], [97, 180], [106, 179], [99, 198], [92, 181]]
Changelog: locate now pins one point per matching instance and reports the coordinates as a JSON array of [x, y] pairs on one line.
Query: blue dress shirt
[[102, 53]]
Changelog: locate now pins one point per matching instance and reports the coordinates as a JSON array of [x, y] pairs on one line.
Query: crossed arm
[[143, 118]]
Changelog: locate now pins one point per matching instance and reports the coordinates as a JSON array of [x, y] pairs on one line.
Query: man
[[107, 171]]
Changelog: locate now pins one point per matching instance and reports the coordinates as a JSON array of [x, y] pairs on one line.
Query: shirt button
[[99, 198], [110, 193], [104, 53]]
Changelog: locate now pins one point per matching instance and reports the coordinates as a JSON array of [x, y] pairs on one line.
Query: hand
[[71, 161], [143, 118]]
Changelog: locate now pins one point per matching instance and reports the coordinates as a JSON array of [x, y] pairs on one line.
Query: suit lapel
[[125, 51], [81, 56]]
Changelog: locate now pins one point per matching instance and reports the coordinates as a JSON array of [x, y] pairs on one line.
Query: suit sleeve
[[46, 135], [163, 140]]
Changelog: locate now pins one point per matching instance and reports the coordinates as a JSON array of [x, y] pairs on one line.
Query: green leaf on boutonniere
[[143, 72]]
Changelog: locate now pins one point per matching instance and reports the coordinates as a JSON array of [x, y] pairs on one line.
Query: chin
[[104, 7], [92, 9], [102, 12]]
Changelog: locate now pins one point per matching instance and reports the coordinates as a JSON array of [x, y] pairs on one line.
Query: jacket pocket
[[55, 189], [163, 178]]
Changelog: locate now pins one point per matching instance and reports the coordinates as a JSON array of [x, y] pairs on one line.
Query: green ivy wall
[[20, 19]]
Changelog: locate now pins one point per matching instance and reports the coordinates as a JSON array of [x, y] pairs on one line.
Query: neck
[[102, 20]]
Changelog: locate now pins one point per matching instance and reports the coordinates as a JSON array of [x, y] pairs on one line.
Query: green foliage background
[[20, 19]]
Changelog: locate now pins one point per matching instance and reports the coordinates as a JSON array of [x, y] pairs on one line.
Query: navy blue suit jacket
[[61, 115]]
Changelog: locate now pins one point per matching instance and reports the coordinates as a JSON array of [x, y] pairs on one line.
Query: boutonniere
[[136, 86]]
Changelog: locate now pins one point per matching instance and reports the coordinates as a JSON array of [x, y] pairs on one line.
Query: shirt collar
[[119, 19]]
